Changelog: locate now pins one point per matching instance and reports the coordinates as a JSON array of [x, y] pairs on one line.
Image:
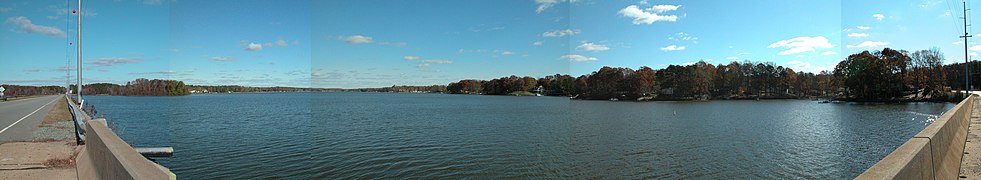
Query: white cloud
[[863, 27], [537, 43], [356, 39], [663, 8], [164, 72], [253, 47], [437, 61], [973, 54], [502, 52], [801, 44], [27, 26], [578, 58], [409, 58], [975, 48], [879, 17], [732, 58], [281, 43], [799, 65], [868, 44], [928, 3], [151, 2], [858, 35], [5, 9], [396, 44], [682, 36], [828, 53], [588, 46], [673, 48], [545, 4], [112, 61], [649, 15], [471, 51], [219, 58], [957, 42], [846, 30], [423, 65], [561, 33]]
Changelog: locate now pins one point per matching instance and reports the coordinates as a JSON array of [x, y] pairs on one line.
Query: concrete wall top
[[113, 158], [933, 153]]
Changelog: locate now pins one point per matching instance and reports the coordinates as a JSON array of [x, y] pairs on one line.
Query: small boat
[[825, 101], [614, 99]]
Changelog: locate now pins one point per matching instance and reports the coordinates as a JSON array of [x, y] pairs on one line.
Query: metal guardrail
[[79, 117]]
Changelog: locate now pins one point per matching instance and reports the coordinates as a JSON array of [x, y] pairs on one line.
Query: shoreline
[[830, 100]]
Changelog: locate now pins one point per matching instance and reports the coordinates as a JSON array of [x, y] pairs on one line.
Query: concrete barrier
[[933, 153], [106, 156]]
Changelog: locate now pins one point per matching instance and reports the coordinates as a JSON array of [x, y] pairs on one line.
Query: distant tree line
[[16, 90], [234, 88], [247, 89], [700, 80], [886, 75], [404, 89], [138, 87]]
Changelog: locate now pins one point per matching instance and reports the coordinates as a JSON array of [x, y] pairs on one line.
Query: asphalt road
[[19, 119]]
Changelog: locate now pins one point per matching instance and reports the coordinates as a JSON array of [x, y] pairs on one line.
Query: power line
[[950, 10]]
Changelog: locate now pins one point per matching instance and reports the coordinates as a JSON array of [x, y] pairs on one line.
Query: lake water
[[429, 136]]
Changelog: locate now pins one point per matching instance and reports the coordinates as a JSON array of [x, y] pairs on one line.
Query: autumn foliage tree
[[886, 75]]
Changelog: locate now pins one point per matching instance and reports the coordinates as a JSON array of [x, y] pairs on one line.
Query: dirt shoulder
[[51, 155]]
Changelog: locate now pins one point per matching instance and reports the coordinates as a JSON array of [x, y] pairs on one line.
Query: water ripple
[[432, 136]]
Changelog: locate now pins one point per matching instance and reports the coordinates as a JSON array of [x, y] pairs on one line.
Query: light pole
[[78, 43]]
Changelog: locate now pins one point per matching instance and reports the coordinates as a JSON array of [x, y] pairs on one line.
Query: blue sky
[[377, 43]]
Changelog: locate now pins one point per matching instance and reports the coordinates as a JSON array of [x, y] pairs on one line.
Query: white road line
[[25, 117]]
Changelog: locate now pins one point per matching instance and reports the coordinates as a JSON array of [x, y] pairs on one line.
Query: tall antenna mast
[[967, 65], [78, 44]]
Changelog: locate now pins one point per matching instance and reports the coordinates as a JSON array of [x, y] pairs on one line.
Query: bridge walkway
[[971, 161]]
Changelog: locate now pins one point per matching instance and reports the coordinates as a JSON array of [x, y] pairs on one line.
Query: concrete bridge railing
[[106, 156], [933, 153]]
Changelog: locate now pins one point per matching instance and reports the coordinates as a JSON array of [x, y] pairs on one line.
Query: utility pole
[[68, 61], [78, 43], [967, 65]]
